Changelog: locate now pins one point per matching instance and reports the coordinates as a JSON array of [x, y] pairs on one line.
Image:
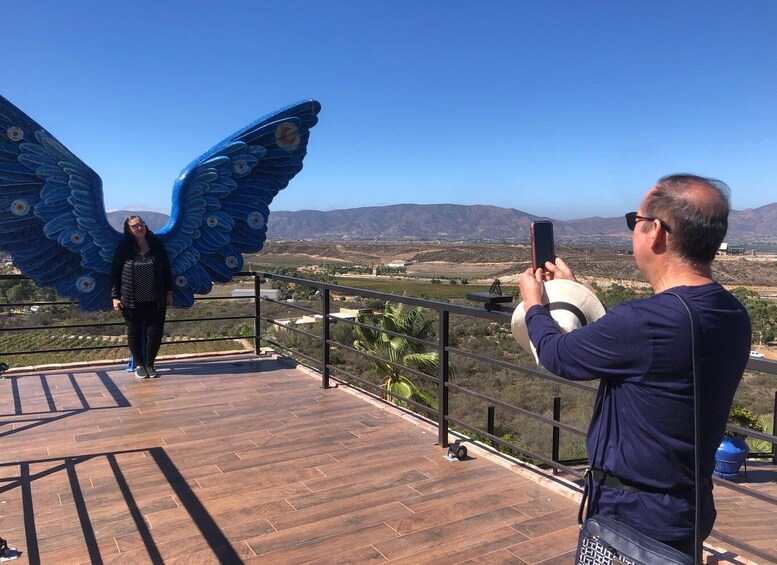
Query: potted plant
[[733, 449]]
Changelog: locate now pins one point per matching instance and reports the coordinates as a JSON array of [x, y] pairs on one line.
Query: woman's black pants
[[146, 319]]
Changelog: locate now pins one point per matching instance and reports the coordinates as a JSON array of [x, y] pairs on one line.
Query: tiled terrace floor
[[243, 459]]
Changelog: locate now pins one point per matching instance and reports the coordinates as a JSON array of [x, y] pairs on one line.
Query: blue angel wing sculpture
[[221, 201], [52, 215]]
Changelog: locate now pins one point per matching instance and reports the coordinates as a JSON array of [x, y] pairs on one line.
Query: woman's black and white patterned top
[[144, 286]]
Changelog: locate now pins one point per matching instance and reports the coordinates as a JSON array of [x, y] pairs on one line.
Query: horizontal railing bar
[[122, 345], [295, 329], [762, 365], [382, 390], [205, 339], [102, 324], [25, 304], [293, 305], [512, 408], [292, 351], [521, 450], [384, 331], [290, 327], [752, 433], [409, 300], [203, 297], [62, 349], [382, 360], [69, 326], [744, 490], [519, 368], [739, 544], [209, 319]]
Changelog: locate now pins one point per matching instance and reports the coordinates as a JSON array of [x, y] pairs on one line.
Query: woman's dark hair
[[696, 209], [129, 239]]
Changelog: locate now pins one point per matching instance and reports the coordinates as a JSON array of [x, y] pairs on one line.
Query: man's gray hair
[[696, 209]]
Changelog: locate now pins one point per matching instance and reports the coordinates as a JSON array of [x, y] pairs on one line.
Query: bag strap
[[584, 510], [696, 364]]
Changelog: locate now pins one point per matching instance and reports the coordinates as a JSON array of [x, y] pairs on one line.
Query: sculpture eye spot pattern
[[255, 220], [287, 136], [231, 262], [180, 281], [212, 221], [15, 133], [20, 207], [85, 284], [77, 238], [240, 167]]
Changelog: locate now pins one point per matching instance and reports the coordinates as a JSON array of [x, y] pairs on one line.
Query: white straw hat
[[571, 305]]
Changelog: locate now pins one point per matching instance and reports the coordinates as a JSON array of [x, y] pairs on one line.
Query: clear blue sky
[[561, 108]]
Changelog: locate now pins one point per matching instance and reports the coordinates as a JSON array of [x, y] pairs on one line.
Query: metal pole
[[774, 429], [556, 430], [257, 311], [442, 388], [325, 372], [490, 423]]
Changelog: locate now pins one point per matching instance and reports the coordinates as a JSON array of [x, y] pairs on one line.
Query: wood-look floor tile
[[542, 548], [318, 549], [247, 460], [466, 527], [388, 498], [462, 549], [365, 555]]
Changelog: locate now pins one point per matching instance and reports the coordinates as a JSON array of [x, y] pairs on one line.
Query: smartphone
[[542, 248]]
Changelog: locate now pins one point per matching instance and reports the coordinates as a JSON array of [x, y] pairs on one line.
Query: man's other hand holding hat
[[571, 305]]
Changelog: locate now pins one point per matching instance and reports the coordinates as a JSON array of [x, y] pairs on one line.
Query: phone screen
[[542, 248]]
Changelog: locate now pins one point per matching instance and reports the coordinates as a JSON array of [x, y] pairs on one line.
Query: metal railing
[[441, 415], [7, 306]]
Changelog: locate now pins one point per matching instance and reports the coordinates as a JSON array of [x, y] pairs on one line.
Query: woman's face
[[137, 227]]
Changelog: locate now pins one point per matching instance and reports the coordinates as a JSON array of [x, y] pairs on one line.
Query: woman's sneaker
[[141, 372], [152, 372]]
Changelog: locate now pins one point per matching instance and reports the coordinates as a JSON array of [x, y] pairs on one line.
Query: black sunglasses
[[632, 218]]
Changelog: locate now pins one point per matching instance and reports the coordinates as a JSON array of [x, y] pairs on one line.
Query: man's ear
[[658, 238]]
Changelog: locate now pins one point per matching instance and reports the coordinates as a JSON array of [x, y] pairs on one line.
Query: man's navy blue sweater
[[642, 352]]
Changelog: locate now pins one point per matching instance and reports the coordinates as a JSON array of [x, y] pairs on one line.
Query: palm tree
[[413, 323]]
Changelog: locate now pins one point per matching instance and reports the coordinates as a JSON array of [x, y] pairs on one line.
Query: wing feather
[[52, 218], [221, 200]]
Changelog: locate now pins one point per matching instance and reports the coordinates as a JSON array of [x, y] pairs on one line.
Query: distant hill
[[154, 220], [453, 222]]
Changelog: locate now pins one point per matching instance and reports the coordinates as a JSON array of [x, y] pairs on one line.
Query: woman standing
[[142, 289]]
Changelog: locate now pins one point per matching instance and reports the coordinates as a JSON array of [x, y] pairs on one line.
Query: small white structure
[[271, 293], [343, 314]]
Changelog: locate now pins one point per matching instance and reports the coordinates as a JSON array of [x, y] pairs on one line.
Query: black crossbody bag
[[605, 541]]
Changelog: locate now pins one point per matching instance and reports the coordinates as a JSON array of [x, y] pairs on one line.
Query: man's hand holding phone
[[531, 281], [559, 270]]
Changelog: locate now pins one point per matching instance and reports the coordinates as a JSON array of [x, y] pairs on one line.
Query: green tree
[[618, 293], [763, 314], [397, 350]]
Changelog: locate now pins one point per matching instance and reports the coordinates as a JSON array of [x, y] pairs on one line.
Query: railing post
[[490, 423], [555, 443], [442, 389], [774, 429], [257, 312], [325, 372]]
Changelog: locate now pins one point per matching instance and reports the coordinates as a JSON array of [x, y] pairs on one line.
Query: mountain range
[[754, 227]]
